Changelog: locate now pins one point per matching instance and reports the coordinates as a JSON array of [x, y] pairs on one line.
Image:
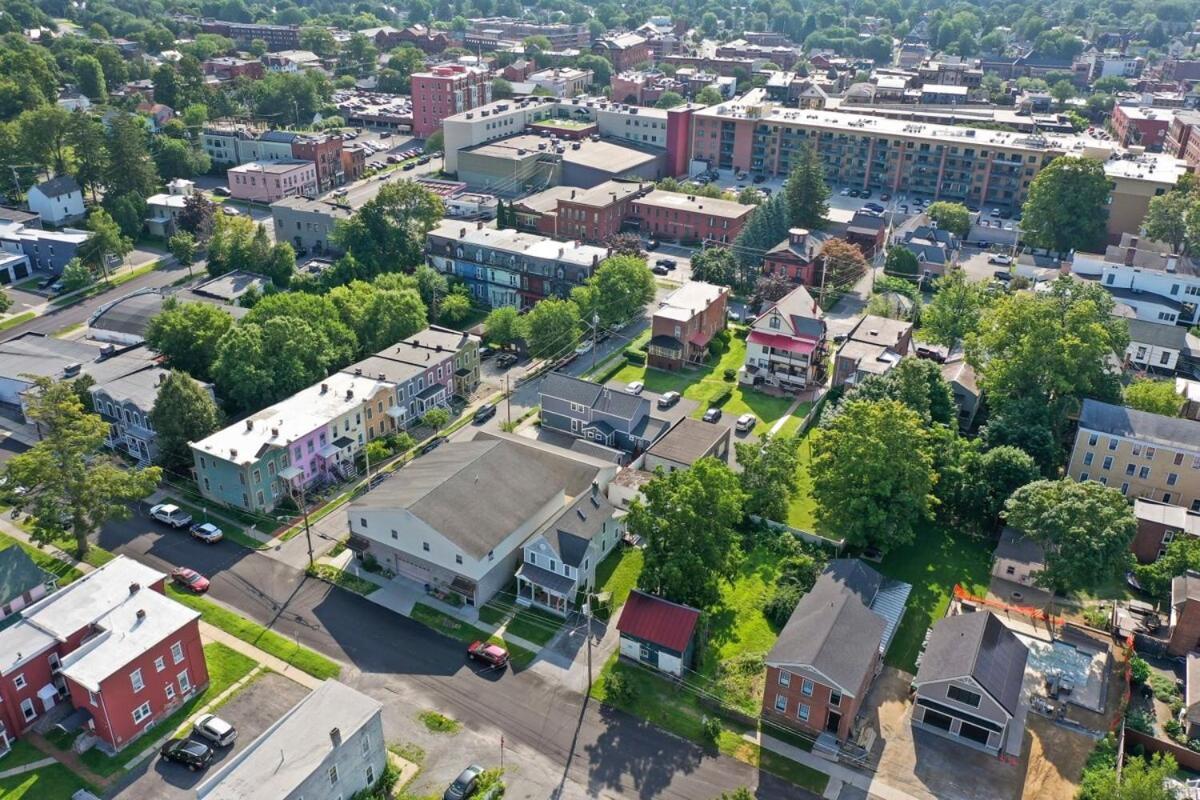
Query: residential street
[[561, 744]]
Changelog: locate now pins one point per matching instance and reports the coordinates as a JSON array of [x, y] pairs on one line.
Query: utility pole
[[307, 530], [508, 399], [595, 336]]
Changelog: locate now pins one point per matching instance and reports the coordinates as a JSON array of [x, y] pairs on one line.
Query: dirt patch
[[1055, 759]]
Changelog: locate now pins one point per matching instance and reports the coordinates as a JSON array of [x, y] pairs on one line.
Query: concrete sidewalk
[[210, 633], [839, 774]]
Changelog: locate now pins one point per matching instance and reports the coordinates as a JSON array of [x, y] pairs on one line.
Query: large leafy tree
[[901, 262], [1157, 397], [715, 265], [390, 316], [954, 310], [45, 137], [551, 328], [1166, 218], [130, 168], [388, 233], [624, 285], [1067, 205], [974, 483], [1084, 528], [806, 191], [865, 492], [953, 217], [1183, 554], [89, 76], [183, 412], [843, 265], [766, 227], [688, 523], [1139, 779], [1051, 348], [68, 475], [106, 241], [187, 334], [87, 140], [769, 477], [198, 216], [502, 326]]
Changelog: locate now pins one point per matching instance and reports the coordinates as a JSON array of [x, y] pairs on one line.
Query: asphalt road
[[597, 752]]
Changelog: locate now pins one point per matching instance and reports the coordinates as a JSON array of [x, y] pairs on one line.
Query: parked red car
[[492, 654], [190, 579]]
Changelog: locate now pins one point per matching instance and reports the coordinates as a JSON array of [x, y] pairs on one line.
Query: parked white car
[[636, 387], [746, 422], [215, 729], [170, 514]]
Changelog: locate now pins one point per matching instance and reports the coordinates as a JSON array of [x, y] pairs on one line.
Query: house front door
[[833, 721]]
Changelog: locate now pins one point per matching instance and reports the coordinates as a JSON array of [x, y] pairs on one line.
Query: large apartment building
[[561, 35], [508, 267], [1156, 286], [977, 166], [277, 37], [672, 215], [447, 90], [1144, 455]]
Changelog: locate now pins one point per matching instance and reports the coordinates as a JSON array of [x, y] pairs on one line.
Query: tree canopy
[[1067, 208]]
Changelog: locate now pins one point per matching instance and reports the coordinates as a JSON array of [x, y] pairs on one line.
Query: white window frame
[[141, 713], [781, 703], [19, 681], [802, 712], [28, 709], [169, 688], [136, 681], [185, 683], [177, 652], [333, 775], [785, 678], [807, 687], [160, 664]]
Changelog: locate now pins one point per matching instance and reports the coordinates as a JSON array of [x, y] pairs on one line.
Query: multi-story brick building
[[112, 645], [684, 323], [277, 37], [588, 215], [1138, 125], [507, 267], [1159, 524], [1183, 138], [1142, 454], [268, 181], [623, 50], [644, 87], [977, 166], [562, 35], [326, 152], [227, 68], [445, 91], [672, 215]]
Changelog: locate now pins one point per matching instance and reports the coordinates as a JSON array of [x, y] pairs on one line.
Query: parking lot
[[251, 711]]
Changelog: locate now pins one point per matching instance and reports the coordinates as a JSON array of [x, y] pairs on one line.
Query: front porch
[[544, 589]]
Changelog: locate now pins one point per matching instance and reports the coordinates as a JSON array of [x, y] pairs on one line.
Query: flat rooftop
[[528, 245], [615, 158], [687, 202], [277, 167]]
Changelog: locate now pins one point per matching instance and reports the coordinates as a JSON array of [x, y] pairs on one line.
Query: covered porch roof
[[781, 342], [550, 581]]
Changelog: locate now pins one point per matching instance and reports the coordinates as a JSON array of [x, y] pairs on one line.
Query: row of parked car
[[197, 751]]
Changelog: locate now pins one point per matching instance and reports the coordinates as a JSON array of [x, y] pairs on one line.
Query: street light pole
[[307, 530], [595, 336]]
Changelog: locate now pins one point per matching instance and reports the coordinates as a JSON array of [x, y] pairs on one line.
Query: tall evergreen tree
[[806, 191]]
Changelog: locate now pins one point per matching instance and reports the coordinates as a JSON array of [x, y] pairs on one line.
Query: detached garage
[[658, 633]]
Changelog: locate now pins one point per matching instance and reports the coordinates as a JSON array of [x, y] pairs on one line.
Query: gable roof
[[19, 573], [979, 646], [1131, 423], [832, 630], [658, 621], [799, 310], [571, 532], [57, 187], [616, 402], [477, 493]]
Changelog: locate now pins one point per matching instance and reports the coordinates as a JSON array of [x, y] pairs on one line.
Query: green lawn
[[739, 634], [60, 569], [22, 753], [54, 782], [802, 511], [674, 708], [465, 632], [702, 385], [936, 561], [531, 624], [226, 667], [344, 579], [228, 529], [278, 645], [618, 573]]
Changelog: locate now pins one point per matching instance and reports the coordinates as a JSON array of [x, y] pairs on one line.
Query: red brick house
[[685, 323], [797, 258], [326, 152], [587, 215], [831, 649], [623, 50], [109, 653], [1159, 524], [1185, 614]]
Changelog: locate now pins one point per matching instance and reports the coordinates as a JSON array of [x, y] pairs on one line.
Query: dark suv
[[192, 753]]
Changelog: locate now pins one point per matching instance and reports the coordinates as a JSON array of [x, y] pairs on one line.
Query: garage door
[[936, 719], [412, 569], [973, 732]]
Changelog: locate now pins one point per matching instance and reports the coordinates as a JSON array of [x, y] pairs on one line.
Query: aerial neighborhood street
[[486, 399]]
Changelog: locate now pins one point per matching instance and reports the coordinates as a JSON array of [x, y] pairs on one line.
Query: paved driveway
[[251, 712]]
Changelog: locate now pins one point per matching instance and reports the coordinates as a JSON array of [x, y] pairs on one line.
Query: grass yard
[[702, 385], [465, 632], [228, 529], [22, 753], [932, 564], [531, 624], [618, 573], [54, 782], [13, 322], [59, 569], [802, 511], [345, 580], [278, 645], [676, 709], [739, 635], [226, 667]]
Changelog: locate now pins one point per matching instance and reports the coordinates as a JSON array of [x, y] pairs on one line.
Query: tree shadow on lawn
[[634, 747]]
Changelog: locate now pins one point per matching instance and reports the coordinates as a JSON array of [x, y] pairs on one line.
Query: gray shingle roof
[[577, 525], [477, 493], [57, 187], [19, 574], [689, 441], [600, 398], [979, 646], [832, 630], [1157, 334], [1142, 425]]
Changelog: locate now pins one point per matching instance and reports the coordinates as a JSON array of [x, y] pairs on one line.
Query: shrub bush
[[635, 357], [729, 374], [618, 690], [711, 727], [1139, 670], [722, 398]]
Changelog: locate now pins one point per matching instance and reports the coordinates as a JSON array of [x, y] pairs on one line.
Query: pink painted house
[[268, 181]]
